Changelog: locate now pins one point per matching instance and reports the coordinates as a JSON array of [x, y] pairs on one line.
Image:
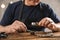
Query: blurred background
[[54, 4]]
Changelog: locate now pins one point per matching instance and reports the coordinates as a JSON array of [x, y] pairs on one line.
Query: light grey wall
[[5, 3], [55, 4]]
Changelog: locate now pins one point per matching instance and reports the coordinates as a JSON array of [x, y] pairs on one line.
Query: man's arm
[[2, 29], [49, 23], [52, 22], [14, 27], [56, 27]]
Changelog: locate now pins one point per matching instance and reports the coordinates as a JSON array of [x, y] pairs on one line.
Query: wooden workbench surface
[[28, 36]]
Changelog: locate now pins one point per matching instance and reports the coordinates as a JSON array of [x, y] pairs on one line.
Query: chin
[[34, 4]]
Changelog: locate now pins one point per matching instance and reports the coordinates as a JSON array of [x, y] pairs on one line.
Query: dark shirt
[[29, 14]]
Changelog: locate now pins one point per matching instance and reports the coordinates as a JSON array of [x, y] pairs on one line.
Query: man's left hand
[[48, 23]]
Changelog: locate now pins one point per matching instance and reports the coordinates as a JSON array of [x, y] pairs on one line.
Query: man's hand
[[48, 23], [15, 26], [1, 29]]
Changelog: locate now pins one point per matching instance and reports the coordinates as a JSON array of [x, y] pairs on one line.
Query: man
[[20, 15]]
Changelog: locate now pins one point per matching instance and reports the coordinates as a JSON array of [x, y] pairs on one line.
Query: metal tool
[[34, 24], [3, 35]]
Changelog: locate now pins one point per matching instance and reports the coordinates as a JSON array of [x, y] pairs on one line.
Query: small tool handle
[[3, 35], [34, 24]]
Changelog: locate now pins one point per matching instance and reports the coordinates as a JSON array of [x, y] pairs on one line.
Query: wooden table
[[28, 36]]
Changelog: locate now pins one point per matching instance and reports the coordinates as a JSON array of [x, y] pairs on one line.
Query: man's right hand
[[15, 26]]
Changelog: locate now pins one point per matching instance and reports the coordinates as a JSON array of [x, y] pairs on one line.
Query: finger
[[15, 22], [19, 29], [40, 23], [13, 31], [43, 22], [50, 20], [21, 23], [50, 26], [46, 23], [22, 28], [16, 27]]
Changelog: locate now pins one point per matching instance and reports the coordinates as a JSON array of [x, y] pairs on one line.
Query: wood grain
[[28, 36]]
